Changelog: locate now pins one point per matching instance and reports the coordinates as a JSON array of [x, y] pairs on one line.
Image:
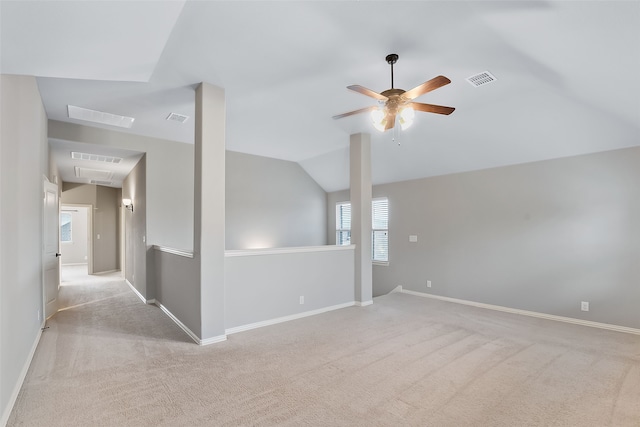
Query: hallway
[[102, 328]]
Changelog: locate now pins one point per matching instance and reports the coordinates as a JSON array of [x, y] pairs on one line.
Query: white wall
[[23, 163], [263, 285], [272, 203], [75, 252]]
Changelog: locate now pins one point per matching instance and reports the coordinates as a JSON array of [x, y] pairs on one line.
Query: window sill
[[382, 263]]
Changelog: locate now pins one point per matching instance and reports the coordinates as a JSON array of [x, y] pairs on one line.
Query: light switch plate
[[413, 238]]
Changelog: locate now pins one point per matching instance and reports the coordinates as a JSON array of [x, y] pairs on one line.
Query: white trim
[[270, 322], [381, 263], [292, 250], [21, 377], [363, 304], [139, 295], [212, 340], [179, 252], [572, 320], [396, 289], [99, 273], [188, 331], [178, 322]]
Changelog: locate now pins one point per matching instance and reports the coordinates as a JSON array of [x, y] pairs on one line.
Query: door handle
[[57, 255]]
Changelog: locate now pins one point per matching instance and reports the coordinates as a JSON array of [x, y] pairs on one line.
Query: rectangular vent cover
[[481, 79], [95, 157], [175, 117], [93, 181], [99, 117], [96, 174]]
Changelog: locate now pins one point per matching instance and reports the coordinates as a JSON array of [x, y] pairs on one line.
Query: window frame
[[373, 230], [339, 231]]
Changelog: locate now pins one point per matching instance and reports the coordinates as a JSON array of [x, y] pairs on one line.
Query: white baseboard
[[363, 304], [188, 331], [139, 295], [263, 323], [23, 374], [100, 273], [572, 320]]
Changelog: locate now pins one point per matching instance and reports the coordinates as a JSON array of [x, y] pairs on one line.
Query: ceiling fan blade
[[430, 108], [363, 90], [425, 87], [391, 121], [351, 113]]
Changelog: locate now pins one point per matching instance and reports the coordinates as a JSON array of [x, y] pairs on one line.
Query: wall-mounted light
[[128, 204]]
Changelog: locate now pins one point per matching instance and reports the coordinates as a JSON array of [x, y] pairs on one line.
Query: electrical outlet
[[301, 300], [584, 306], [39, 319], [428, 283]]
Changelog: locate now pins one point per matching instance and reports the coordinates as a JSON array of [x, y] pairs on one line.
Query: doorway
[[75, 241]]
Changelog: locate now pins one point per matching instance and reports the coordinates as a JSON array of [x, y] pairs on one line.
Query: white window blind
[[343, 224], [379, 232]]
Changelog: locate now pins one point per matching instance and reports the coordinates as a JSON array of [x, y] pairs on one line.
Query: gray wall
[[24, 161], [135, 225], [105, 202], [170, 190], [541, 236], [105, 224], [177, 280], [272, 203]]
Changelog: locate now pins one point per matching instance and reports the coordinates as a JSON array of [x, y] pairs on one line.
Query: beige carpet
[[113, 361]]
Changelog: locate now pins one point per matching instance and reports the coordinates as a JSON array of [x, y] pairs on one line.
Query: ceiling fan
[[393, 102]]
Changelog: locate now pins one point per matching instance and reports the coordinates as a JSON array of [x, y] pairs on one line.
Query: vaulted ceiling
[[567, 75]]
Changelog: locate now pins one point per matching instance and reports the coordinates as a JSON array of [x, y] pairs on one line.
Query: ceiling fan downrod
[[392, 58]]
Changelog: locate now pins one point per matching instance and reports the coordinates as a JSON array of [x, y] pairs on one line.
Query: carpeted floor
[[110, 360]]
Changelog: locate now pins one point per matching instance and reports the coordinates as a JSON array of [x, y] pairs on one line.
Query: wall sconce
[[128, 204]]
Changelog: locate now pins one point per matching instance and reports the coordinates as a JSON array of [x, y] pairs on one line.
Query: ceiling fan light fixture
[[406, 117], [378, 117]]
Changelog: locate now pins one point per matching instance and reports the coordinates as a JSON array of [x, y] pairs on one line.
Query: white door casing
[[51, 255]]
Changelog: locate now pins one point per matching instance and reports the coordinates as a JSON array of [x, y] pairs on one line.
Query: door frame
[[89, 231]]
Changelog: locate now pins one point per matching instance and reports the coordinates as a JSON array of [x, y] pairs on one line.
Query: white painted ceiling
[[567, 75]]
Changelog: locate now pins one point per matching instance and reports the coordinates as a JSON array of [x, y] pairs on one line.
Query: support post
[[209, 212], [360, 175]]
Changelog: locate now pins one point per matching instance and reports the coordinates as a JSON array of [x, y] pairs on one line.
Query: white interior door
[[51, 254]]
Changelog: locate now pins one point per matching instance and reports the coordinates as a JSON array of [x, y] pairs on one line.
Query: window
[[343, 224], [379, 232], [65, 227]]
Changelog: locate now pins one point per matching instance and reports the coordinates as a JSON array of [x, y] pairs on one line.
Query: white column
[[360, 171], [209, 220]]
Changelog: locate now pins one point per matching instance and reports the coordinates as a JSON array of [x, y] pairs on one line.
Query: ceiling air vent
[[96, 174], [175, 117], [99, 117], [95, 157], [481, 79], [96, 182]]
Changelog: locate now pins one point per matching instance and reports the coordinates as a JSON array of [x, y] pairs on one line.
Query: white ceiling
[[567, 75]]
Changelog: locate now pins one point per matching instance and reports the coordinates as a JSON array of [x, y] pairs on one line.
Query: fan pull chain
[[393, 138]]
